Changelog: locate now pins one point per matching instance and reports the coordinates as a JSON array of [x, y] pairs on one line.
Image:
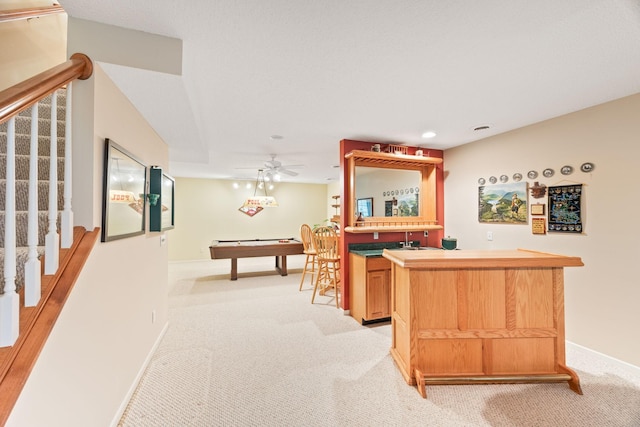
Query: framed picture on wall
[[161, 200], [537, 209], [123, 195], [503, 203]]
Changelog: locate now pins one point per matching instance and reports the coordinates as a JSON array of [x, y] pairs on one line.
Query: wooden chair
[[326, 244], [311, 261]]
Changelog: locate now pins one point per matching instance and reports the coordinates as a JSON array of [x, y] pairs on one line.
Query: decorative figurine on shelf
[[359, 220]]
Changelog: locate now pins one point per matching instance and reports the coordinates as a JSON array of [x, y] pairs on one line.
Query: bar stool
[[326, 243], [311, 261]]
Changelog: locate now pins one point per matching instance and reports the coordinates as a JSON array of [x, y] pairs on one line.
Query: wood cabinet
[[369, 288], [479, 317]]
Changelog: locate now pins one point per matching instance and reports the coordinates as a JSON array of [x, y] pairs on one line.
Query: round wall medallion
[[532, 174], [548, 172], [566, 170], [587, 167], [504, 178], [481, 181], [493, 179], [517, 177]]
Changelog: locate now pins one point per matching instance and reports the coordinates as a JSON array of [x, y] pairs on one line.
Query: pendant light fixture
[[254, 204]]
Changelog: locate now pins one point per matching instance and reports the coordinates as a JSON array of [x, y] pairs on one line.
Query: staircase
[[23, 132]]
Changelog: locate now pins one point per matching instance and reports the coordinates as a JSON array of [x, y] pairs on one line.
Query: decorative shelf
[[393, 225], [392, 159], [392, 229]]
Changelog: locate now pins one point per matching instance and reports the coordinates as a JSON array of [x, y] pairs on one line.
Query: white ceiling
[[318, 71]]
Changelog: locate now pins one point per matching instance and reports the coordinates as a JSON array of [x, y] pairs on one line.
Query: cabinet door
[[378, 294]]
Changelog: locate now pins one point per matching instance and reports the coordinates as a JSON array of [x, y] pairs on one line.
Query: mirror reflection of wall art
[[503, 203], [408, 205], [123, 200]]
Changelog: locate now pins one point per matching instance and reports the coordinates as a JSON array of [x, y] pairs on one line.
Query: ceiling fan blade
[[288, 172]]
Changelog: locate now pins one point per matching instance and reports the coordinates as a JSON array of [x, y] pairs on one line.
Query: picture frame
[[537, 209], [123, 193], [161, 200], [538, 226], [504, 203]]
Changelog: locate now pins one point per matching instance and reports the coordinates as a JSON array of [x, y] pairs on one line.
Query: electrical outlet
[[489, 235], [375, 235], [426, 234]]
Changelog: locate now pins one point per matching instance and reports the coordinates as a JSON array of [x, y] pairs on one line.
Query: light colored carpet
[[255, 352]]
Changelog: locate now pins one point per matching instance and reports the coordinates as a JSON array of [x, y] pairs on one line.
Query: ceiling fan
[[275, 167]]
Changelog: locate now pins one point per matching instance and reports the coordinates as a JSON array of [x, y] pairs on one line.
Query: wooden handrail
[[21, 96], [32, 12]]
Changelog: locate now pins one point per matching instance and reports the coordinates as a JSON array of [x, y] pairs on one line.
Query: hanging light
[[265, 201]]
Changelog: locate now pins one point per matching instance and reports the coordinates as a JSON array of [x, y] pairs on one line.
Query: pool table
[[234, 249]]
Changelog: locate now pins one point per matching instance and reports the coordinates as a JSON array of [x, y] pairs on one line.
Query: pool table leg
[[281, 267], [234, 268]]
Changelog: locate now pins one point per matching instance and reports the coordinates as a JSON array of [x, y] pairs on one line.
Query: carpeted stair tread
[[22, 195], [22, 256], [22, 223], [22, 167], [23, 144], [23, 126]]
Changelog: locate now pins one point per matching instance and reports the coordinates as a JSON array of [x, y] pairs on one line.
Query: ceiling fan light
[[277, 177]]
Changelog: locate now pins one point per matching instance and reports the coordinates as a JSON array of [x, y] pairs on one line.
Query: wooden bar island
[[467, 316]]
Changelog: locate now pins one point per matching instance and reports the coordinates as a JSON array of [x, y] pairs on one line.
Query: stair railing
[[12, 101]]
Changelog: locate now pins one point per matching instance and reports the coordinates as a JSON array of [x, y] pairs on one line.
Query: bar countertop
[[479, 259]]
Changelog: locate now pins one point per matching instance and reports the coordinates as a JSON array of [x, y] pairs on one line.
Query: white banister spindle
[[52, 240], [9, 299], [66, 226], [32, 268]]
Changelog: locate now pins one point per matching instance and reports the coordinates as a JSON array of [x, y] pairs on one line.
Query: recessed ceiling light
[[428, 134], [276, 137]]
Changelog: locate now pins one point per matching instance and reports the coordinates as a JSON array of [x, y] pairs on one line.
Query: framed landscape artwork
[[503, 203]]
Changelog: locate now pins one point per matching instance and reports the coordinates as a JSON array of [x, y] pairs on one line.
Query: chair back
[[306, 234], [326, 243]]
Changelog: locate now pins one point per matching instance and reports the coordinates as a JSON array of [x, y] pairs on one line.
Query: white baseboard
[[134, 385], [627, 367]]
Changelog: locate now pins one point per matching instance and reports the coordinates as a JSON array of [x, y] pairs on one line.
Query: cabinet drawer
[[378, 263]]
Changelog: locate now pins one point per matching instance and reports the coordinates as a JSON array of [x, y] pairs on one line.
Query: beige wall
[[105, 333], [601, 298], [207, 210], [30, 46]]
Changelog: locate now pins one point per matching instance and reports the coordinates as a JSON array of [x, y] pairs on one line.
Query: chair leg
[[310, 266], [319, 277], [304, 271]]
